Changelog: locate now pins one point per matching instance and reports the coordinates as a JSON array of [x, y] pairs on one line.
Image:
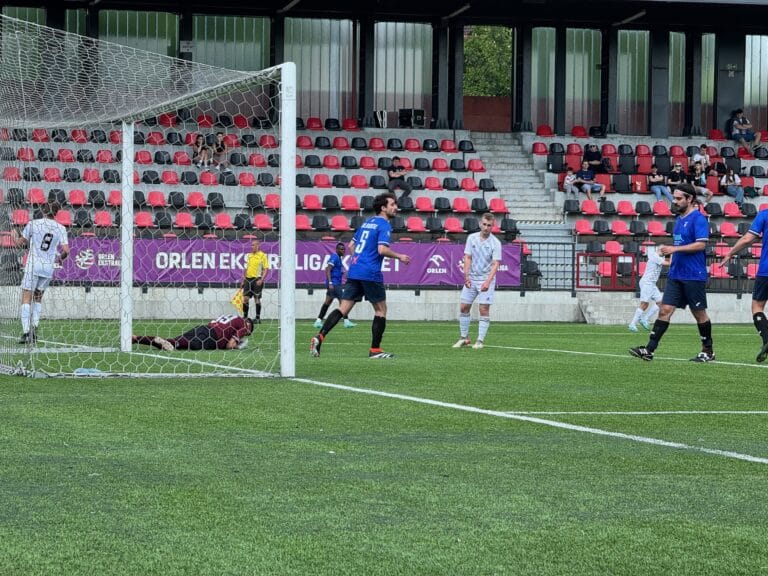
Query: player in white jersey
[[47, 241], [650, 295], [482, 257]]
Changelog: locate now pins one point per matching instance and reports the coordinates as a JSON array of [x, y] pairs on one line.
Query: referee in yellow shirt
[[256, 268]]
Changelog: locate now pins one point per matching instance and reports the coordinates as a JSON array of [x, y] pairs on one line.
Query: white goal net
[[170, 179]]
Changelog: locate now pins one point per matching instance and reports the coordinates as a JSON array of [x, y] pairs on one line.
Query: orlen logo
[[85, 259], [437, 265]]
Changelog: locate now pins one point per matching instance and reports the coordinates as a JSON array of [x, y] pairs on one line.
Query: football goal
[[165, 172]]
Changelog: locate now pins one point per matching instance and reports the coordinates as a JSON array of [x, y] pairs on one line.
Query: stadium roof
[[743, 15]]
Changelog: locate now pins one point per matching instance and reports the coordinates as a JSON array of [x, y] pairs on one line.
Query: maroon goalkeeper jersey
[[227, 327]]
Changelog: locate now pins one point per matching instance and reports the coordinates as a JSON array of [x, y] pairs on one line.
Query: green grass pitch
[[269, 476]]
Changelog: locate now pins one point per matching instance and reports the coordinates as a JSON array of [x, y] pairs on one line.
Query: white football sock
[[485, 322], [25, 318], [464, 320]]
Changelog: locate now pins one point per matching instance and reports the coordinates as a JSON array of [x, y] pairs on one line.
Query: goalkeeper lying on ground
[[223, 333]]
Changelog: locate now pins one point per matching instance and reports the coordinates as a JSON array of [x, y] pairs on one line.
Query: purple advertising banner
[[214, 261]]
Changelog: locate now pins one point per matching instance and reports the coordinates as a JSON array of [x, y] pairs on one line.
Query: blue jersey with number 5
[[366, 260]]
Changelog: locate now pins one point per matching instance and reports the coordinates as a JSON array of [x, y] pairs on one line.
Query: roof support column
[[365, 64], [609, 79], [521, 112], [456, 69], [729, 76], [692, 107], [659, 84], [440, 75], [560, 89]]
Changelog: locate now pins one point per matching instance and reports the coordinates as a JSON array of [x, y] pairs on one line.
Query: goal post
[[159, 232]]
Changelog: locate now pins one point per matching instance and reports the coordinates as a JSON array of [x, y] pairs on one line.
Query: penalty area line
[[540, 421], [641, 413]]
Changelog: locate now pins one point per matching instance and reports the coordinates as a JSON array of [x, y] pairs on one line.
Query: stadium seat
[[262, 222], [732, 210], [448, 146], [359, 182], [321, 181], [625, 208], [539, 149], [359, 143], [12, 174], [143, 157], [415, 224], [77, 198], [143, 219], [196, 200], [304, 142], [424, 204], [590, 208], [367, 163], [613, 247], [156, 199], [395, 145], [619, 228], [339, 223], [312, 202], [350, 125], [204, 121], [103, 219], [729, 230], [412, 145], [115, 198], [183, 220], [331, 162], [468, 185], [440, 165], [267, 141], [583, 228], [471, 225], [461, 205], [544, 130], [376, 144], [432, 183], [78, 135], [272, 202], [716, 135], [476, 165], [661, 208], [656, 228], [349, 203], [302, 223], [453, 225], [341, 143], [579, 132], [208, 179], [36, 196], [314, 123], [498, 206], [155, 139], [223, 221], [718, 271]]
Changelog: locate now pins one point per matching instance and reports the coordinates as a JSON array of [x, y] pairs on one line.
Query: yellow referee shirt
[[256, 265]]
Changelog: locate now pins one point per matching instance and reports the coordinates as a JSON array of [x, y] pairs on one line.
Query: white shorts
[[649, 292], [31, 281], [468, 295]]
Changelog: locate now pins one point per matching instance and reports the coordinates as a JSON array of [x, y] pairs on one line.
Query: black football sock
[[330, 322], [659, 327], [761, 324], [246, 307], [258, 311], [377, 331], [705, 333], [323, 311]]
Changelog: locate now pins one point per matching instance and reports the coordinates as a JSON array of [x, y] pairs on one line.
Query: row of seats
[[578, 131], [658, 208], [640, 228], [247, 179], [215, 201], [83, 218], [638, 183], [642, 150], [615, 247]]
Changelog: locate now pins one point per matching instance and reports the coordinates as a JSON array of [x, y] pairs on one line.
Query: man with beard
[[687, 281]]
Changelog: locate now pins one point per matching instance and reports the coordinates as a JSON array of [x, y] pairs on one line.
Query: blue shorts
[[760, 291], [355, 290], [747, 136], [682, 293], [334, 292]]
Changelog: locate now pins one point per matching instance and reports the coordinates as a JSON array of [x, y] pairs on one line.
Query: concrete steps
[[607, 307]]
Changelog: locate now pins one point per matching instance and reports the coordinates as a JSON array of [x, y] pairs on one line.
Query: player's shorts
[[747, 136], [34, 283], [760, 291], [649, 291], [355, 290], [682, 293], [334, 292], [252, 289], [468, 295], [200, 338]]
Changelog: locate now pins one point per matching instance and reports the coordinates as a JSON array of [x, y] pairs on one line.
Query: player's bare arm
[[387, 252], [694, 247], [742, 243]]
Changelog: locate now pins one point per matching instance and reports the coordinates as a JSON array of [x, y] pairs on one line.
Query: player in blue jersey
[[757, 230], [334, 274], [687, 280], [369, 247]]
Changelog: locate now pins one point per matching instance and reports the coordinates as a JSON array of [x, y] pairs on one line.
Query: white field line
[[641, 413], [541, 421]]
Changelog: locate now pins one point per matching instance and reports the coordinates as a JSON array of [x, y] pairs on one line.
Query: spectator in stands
[[742, 131], [703, 157], [658, 184], [397, 179], [569, 183], [585, 179], [676, 176], [698, 180], [594, 158], [220, 153], [730, 184], [201, 153], [687, 280], [222, 333]]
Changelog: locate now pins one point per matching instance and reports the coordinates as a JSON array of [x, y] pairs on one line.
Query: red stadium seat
[[424, 204], [20, 217], [359, 182], [461, 205], [349, 203], [312, 202], [376, 144], [619, 228], [208, 179], [476, 165], [240, 121], [415, 224], [246, 179], [661, 208], [272, 202], [12, 174], [169, 177], [115, 198], [331, 162], [341, 143], [304, 143], [156, 199], [182, 158], [115, 136], [452, 225], [605, 269], [412, 145], [432, 183], [143, 219], [625, 208], [205, 121], [368, 163], [40, 135], [257, 160], [539, 149], [167, 119], [93, 176], [469, 185], [77, 198], [103, 219], [64, 217], [321, 181], [716, 135], [448, 146], [80, 136], [544, 130], [104, 157], [732, 210], [183, 220], [196, 200], [579, 132], [440, 165], [302, 222], [752, 271], [613, 247], [223, 221], [639, 183], [718, 271], [155, 139], [656, 228], [267, 141], [143, 157], [339, 223], [590, 208], [350, 124], [498, 206], [314, 123], [26, 154], [262, 222], [52, 174], [231, 140], [583, 228], [36, 196]]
